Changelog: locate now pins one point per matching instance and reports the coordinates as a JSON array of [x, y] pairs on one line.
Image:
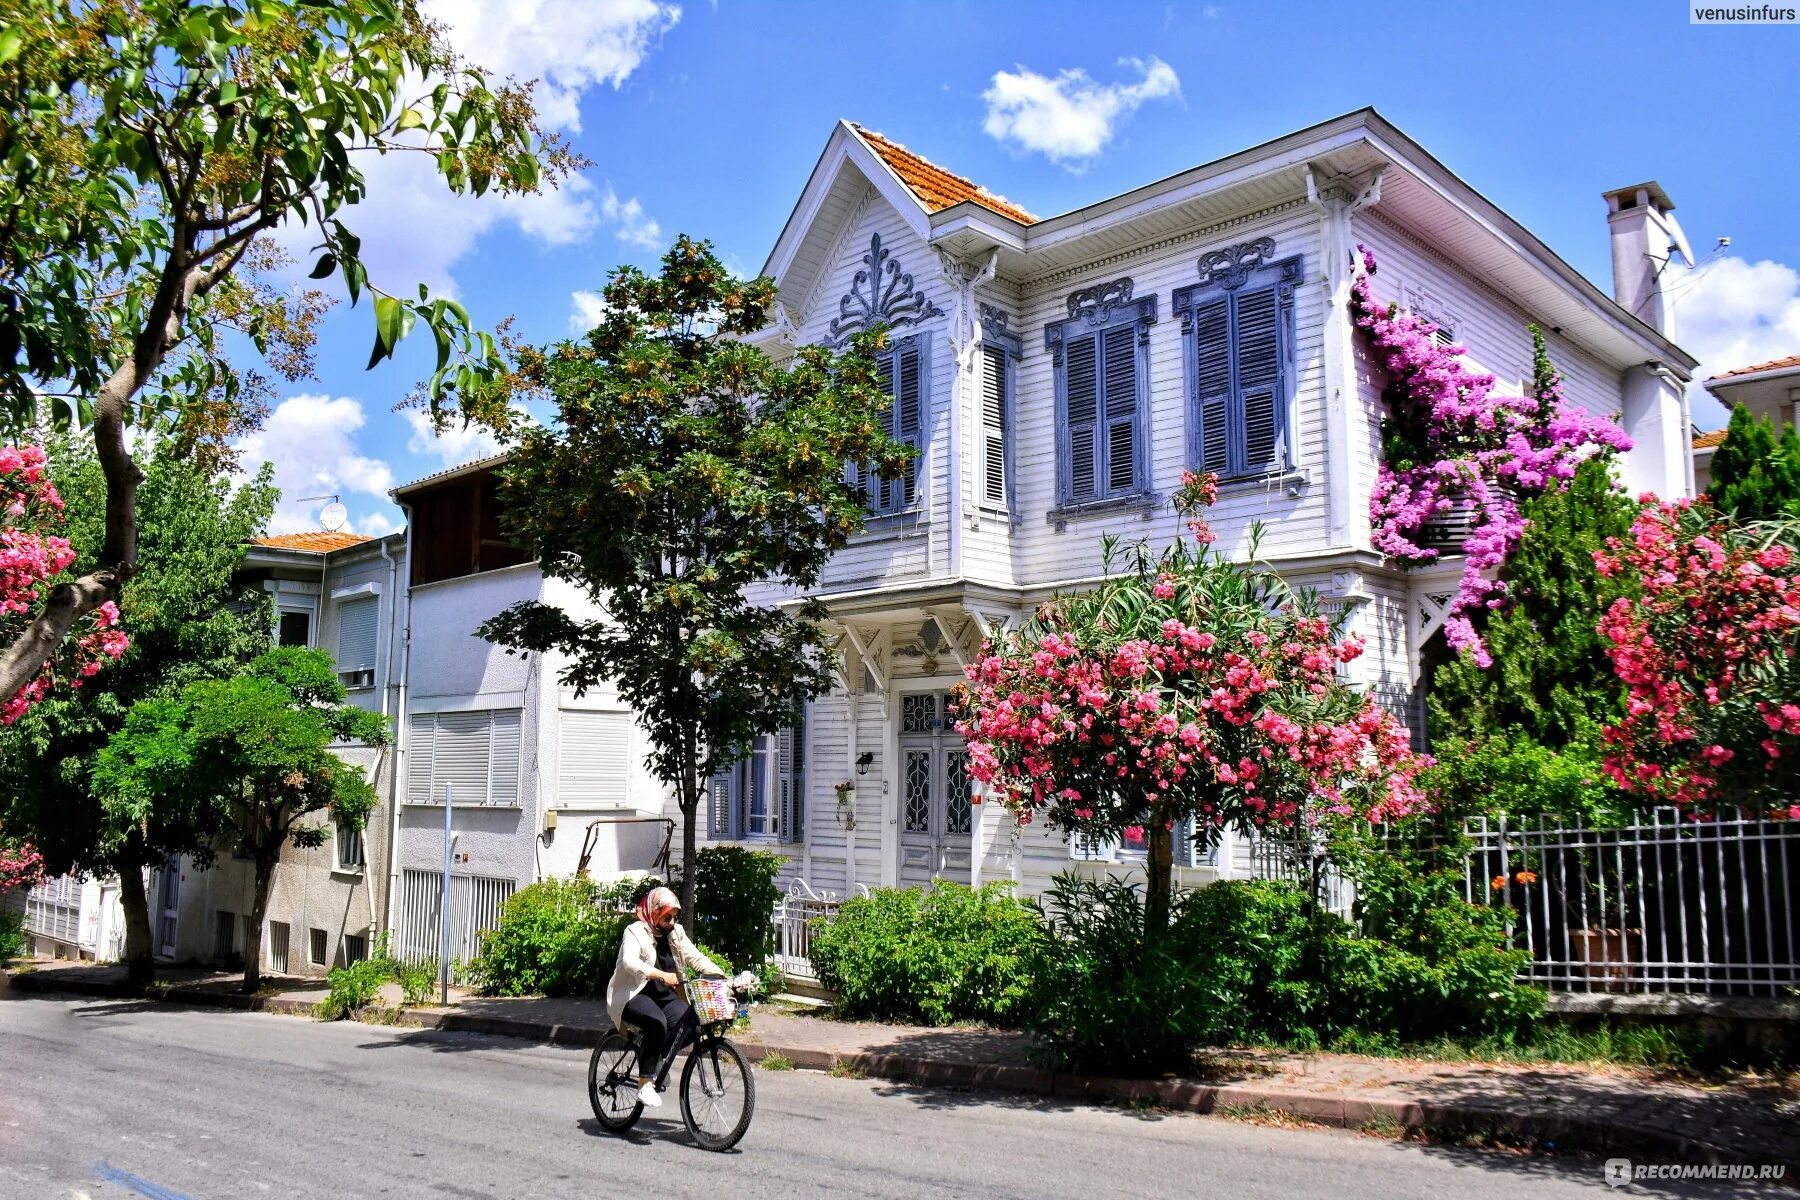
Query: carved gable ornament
[[881, 294], [1232, 265]]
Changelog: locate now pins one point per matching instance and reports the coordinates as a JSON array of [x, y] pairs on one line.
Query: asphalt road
[[102, 1098]]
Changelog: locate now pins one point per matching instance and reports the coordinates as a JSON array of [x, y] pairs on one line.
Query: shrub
[[353, 987], [551, 939], [734, 897], [935, 957], [12, 936]]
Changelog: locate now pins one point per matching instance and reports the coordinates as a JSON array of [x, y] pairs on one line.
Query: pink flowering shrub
[[32, 554], [1189, 688], [1707, 649], [21, 866], [1450, 439]]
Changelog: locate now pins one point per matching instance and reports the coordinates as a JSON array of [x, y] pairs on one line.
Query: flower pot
[[1604, 955]]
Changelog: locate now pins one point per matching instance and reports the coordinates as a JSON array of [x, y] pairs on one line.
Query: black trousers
[[666, 1025]]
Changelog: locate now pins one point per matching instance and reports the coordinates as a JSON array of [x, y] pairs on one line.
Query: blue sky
[[706, 119]]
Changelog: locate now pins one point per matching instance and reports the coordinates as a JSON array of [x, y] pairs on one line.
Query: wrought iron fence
[[1667, 905], [793, 917]]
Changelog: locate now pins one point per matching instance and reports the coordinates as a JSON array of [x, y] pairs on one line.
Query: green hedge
[[934, 957], [552, 939]]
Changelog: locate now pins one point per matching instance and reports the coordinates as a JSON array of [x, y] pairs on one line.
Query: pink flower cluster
[[1453, 440], [1176, 693], [21, 866], [32, 553], [1707, 649]]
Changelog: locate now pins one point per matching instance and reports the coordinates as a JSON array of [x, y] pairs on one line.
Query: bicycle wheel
[[718, 1094], [612, 1083]]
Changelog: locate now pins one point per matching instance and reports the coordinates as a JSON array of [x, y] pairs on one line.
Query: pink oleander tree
[[1450, 438], [1188, 689], [32, 554], [1708, 647]]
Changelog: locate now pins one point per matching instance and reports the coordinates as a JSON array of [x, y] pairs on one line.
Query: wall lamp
[[863, 762]]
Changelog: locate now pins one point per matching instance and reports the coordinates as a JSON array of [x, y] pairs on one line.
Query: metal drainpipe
[[385, 662], [396, 783]]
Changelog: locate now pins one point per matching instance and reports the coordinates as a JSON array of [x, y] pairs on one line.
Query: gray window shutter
[[1120, 346], [356, 633], [1212, 342], [724, 802], [421, 746], [593, 760], [1259, 376], [993, 425], [909, 422], [791, 780], [461, 758], [1081, 390]]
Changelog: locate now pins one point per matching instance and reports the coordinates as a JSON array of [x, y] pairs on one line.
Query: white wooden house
[[1057, 376]]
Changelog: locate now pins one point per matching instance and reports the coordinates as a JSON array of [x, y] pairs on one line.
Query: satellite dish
[[1679, 244], [333, 516]]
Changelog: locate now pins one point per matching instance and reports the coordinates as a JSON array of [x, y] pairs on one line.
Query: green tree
[[145, 148], [190, 620], [1755, 475], [250, 757], [685, 467]]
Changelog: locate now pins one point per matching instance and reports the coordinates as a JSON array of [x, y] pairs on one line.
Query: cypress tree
[[1755, 475]]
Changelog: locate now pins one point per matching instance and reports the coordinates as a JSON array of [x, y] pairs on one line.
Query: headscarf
[[655, 903]]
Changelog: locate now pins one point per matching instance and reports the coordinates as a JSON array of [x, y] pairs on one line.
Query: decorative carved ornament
[[881, 294], [1098, 302], [993, 318], [1232, 265]]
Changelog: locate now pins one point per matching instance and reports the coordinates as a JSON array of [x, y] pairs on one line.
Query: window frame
[[1095, 312], [786, 821], [433, 795], [338, 862], [1283, 277]]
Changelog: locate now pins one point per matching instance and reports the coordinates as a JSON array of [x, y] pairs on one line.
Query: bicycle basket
[[712, 1000]]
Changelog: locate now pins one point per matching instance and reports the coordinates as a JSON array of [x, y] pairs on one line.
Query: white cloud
[[311, 441], [1070, 118], [414, 229], [1733, 313], [568, 46], [586, 310], [376, 524], [456, 445], [634, 228]]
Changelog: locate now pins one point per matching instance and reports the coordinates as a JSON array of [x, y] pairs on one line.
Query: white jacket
[[637, 958]]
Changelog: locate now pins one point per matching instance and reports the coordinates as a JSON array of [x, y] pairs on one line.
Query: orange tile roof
[[1775, 364], [322, 542], [1709, 439], [933, 185]]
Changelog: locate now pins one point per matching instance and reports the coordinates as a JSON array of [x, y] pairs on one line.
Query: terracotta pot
[[1604, 955]]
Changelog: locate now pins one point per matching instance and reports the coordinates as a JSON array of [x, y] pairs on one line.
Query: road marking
[[138, 1184]]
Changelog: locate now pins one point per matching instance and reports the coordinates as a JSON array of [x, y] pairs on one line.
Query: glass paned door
[[935, 809]]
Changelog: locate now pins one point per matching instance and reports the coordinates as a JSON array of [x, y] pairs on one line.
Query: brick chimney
[[1645, 237]]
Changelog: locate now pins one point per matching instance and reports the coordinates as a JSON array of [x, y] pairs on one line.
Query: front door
[[168, 905], [935, 811]]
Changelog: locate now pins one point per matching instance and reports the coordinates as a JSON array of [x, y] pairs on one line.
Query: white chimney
[[1645, 238]]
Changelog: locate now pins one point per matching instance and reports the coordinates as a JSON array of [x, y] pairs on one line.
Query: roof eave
[[442, 477], [1719, 383]]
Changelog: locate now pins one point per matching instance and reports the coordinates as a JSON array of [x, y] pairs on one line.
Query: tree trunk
[[259, 908], [690, 812], [140, 954], [1158, 878]]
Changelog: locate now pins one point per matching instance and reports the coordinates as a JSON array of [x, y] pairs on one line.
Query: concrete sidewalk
[[1600, 1111]]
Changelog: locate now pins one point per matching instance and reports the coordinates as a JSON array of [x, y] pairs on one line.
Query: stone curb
[[1571, 1133]]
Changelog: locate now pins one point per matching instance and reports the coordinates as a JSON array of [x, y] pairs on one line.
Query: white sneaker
[[649, 1097]]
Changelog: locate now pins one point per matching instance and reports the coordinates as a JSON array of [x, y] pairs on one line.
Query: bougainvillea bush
[[1450, 438], [33, 553], [1189, 688], [1706, 644]]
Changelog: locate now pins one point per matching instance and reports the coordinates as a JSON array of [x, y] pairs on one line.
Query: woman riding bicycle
[[646, 989]]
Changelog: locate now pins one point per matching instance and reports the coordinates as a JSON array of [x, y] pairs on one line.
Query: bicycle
[[718, 1092]]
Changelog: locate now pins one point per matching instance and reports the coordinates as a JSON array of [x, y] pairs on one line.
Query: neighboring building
[[1058, 375], [1770, 390]]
